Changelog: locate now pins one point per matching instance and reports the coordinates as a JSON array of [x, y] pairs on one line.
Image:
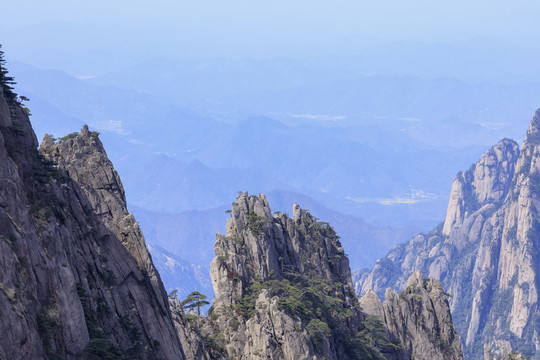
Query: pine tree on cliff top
[[6, 81]]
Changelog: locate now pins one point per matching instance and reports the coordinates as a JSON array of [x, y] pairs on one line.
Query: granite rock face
[[284, 291], [275, 254], [258, 244], [486, 181], [188, 330], [420, 317], [76, 280], [486, 253]]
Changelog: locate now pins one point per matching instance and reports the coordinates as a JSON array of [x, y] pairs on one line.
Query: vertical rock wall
[[76, 278]]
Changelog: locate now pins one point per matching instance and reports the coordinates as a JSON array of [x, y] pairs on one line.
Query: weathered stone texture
[[74, 267]]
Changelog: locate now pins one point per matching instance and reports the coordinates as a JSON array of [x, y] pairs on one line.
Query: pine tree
[[7, 81], [195, 300]]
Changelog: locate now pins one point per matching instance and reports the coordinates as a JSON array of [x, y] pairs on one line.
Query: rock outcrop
[[487, 181], [512, 355], [187, 326], [486, 253], [284, 291], [76, 280], [267, 264], [420, 317]]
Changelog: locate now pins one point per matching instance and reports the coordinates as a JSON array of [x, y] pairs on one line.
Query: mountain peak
[[486, 181], [415, 329], [533, 133], [278, 263], [415, 280], [273, 246]]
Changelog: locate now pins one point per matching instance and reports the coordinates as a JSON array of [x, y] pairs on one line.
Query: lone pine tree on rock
[[195, 300]]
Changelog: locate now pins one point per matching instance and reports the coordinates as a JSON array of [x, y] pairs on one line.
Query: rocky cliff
[[485, 253], [76, 280], [271, 276], [284, 291], [420, 317]]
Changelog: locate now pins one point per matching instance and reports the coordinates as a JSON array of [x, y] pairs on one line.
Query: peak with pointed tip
[[415, 280], [259, 245], [264, 262], [487, 181], [371, 304], [533, 133]]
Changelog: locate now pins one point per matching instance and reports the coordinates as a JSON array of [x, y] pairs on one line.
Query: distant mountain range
[[364, 146], [340, 164]]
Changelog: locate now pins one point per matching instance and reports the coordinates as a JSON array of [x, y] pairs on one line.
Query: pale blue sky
[[94, 37], [300, 19]]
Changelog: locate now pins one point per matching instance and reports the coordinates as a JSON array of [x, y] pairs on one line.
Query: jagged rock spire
[[261, 254], [533, 133], [486, 181], [420, 317]]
